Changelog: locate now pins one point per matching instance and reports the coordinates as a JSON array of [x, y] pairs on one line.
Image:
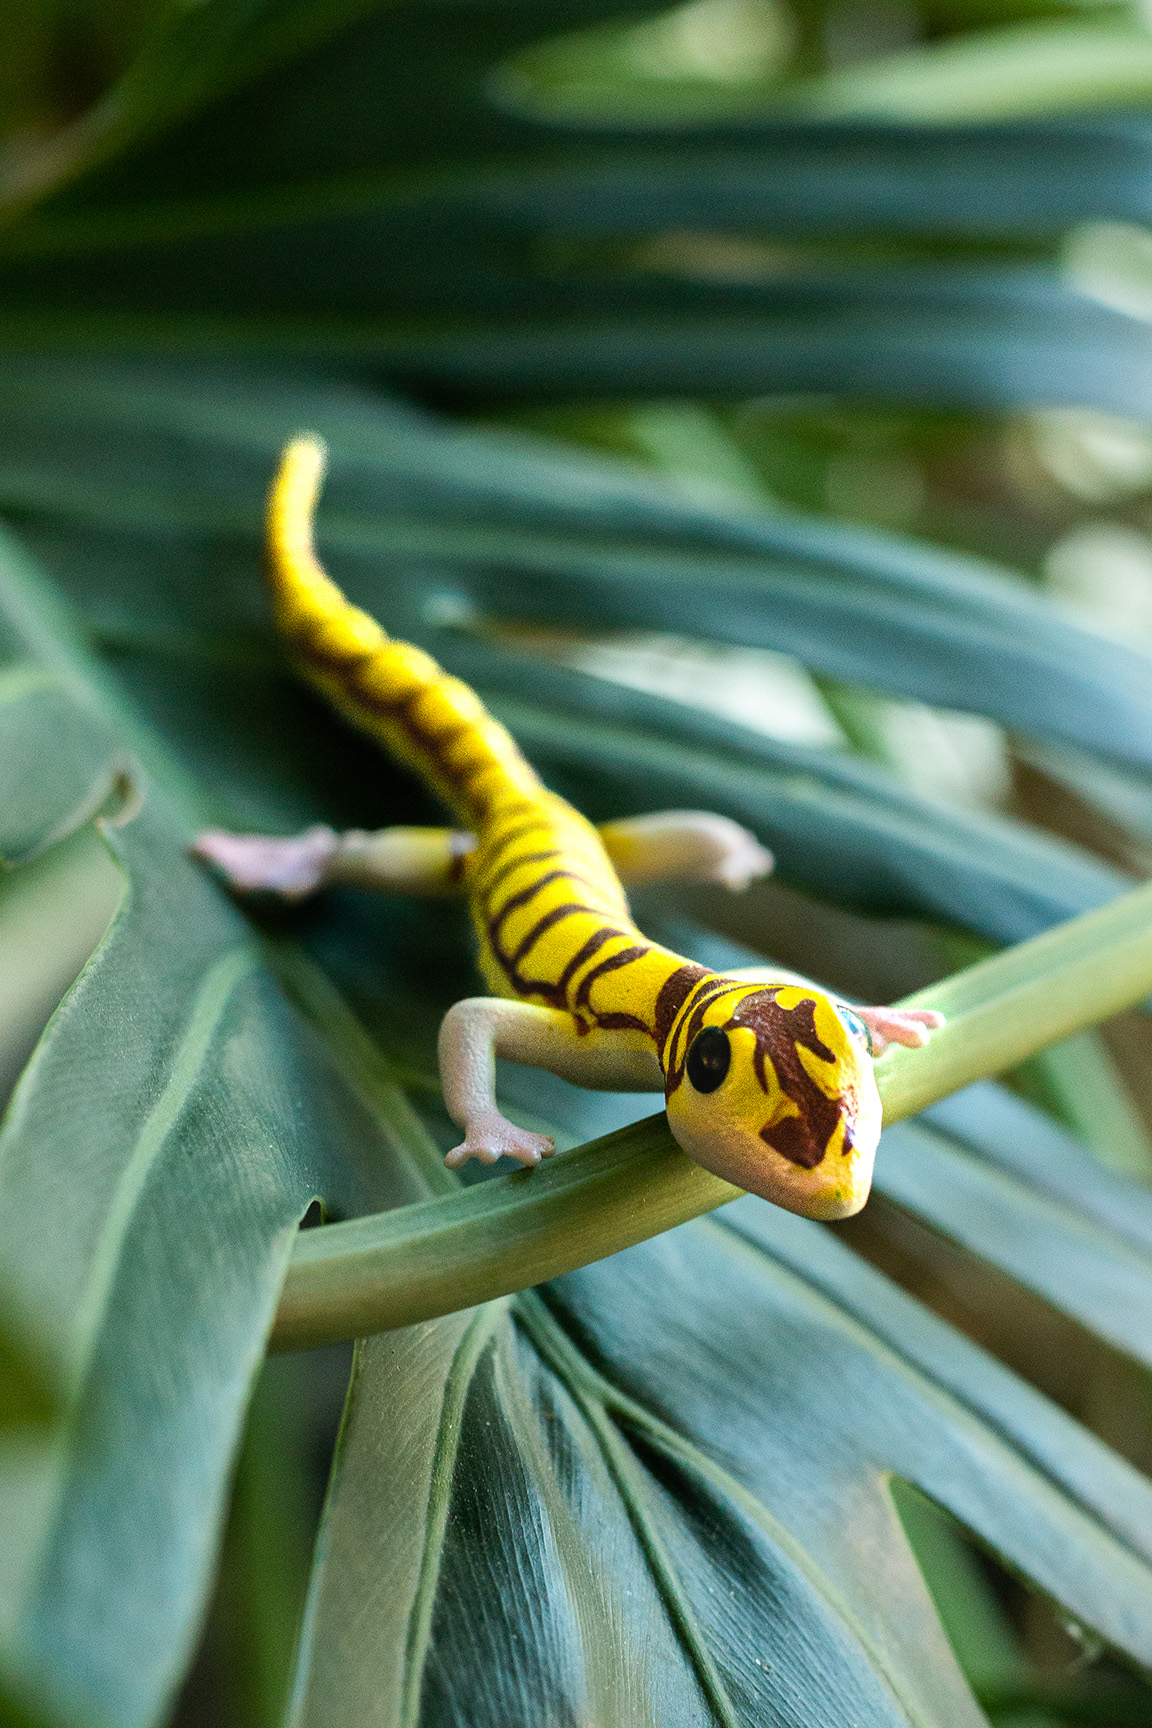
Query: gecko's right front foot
[[492, 1136], [292, 868]]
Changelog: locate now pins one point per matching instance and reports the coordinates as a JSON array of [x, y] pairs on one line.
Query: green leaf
[[516, 528], [466, 168], [700, 1481], [954, 338], [1058, 66], [29, 1382], [379, 71], [172, 1127], [90, 774], [193, 52], [1093, 1272], [19, 1708], [220, 1125], [837, 828]]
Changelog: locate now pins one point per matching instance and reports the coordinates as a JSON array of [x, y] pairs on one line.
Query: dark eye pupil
[[708, 1059]]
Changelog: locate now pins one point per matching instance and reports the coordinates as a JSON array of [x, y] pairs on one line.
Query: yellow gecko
[[767, 1080]]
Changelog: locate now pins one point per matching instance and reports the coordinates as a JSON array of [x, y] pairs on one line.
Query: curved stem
[[396, 1268]]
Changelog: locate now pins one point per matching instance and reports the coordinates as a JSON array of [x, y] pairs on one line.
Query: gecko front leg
[[911, 1027], [474, 1032]]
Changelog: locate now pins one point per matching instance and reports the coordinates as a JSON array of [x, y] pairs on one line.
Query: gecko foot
[[492, 1136], [909, 1026], [292, 868], [744, 861]]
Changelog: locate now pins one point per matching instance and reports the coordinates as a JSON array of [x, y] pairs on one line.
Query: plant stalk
[[396, 1268]]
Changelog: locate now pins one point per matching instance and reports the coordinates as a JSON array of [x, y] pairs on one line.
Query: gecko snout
[[786, 1108]]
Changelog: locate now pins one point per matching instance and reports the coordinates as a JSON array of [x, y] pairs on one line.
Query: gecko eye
[[857, 1027], [708, 1059]]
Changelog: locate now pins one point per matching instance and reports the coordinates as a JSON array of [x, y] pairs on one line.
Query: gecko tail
[[392, 690]]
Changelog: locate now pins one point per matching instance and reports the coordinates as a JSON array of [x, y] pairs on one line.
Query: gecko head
[[771, 1087]]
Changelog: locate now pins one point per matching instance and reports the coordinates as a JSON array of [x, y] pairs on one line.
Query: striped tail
[[391, 690]]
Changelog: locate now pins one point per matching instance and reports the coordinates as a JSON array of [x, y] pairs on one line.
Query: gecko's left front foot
[[292, 868], [911, 1027], [491, 1136]]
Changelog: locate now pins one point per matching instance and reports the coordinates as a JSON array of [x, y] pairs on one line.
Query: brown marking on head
[[779, 1032], [804, 1138]]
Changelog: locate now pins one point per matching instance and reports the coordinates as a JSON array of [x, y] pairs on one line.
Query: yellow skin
[[768, 1081]]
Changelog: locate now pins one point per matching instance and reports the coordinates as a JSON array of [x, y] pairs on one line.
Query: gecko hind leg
[[684, 846], [423, 861]]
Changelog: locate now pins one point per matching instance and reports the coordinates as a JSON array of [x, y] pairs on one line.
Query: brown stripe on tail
[[391, 690]]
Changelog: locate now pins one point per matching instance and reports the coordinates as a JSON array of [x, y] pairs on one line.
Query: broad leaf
[[378, 72], [960, 338], [417, 510], [684, 1457], [189, 55], [27, 1393], [1029, 1200], [270, 155], [1058, 65], [159, 1152]]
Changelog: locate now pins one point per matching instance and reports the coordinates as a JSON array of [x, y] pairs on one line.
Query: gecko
[[767, 1080]]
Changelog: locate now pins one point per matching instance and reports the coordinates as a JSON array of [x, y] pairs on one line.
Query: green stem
[[399, 1267]]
